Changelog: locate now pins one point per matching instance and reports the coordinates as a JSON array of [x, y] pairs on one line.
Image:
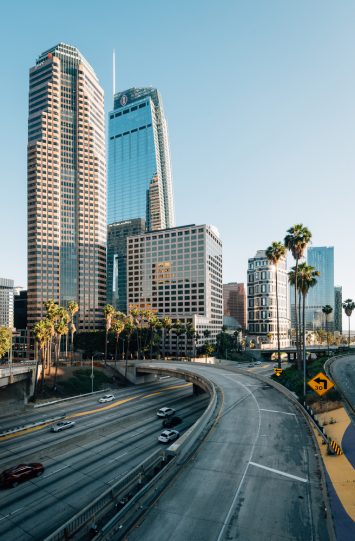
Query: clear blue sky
[[260, 101]]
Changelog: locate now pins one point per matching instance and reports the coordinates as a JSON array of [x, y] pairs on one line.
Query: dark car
[[22, 472], [169, 422]]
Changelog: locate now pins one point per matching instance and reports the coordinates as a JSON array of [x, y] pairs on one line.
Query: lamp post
[[92, 374]]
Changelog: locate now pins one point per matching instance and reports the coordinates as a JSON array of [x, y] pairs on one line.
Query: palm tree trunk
[[72, 346], [116, 348], [106, 338], [66, 346], [349, 334], [298, 359], [326, 330], [164, 335], [277, 324], [304, 344]]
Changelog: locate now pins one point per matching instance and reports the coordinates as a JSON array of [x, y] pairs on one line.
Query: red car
[[22, 472]]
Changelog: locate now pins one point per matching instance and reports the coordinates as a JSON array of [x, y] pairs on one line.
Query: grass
[[80, 382]]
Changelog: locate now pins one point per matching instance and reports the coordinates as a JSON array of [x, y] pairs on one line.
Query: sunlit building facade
[[66, 186], [6, 303]]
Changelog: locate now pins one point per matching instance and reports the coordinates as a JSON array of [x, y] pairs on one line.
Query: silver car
[[62, 425], [165, 412], [106, 398]]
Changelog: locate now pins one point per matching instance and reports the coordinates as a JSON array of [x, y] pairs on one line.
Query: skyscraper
[[139, 170], [66, 186], [234, 302], [322, 259]]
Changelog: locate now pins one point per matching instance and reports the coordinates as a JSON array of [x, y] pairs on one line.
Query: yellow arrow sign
[[278, 371], [320, 384]]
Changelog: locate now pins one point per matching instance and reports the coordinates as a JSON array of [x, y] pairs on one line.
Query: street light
[[92, 374]]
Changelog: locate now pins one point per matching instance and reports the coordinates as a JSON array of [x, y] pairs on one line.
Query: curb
[[69, 398]]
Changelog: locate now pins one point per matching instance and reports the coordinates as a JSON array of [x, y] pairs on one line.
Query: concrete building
[[117, 235], [234, 302], [322, 259], [338, 309], [262, 322], [66, 186], [139, 169], [6, 303], [178, 273]]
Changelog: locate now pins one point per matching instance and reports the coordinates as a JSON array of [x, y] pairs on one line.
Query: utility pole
[[92, 374]]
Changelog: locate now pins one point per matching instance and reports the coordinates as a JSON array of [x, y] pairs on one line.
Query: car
[[106, 398], [165, 412], [257, 362], [62, 425], [168, 435], [250, 365], [171, 421], [13, 476]]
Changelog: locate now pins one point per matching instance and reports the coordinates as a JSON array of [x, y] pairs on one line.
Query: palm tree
[[41, 332], [327, 309], [52, 316], [61, 329], [296, 240], [349, 306], [73, 308], [166, 324], [109, 313], [129, 327], [191, 334], [117, 328], [275, 253]]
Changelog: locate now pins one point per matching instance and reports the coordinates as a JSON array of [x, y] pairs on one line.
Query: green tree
[[5, 340], [73, 308], [209, 349], [327, 310], [275, 253], [349, 306], [296, 240], [109, 313]]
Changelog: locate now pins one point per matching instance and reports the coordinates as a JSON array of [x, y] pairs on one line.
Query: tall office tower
[[338, 309], [322, 259], [262, 321], [139, 170], [234, 302], [6, 303], [178, 273], [66, 186], [117, 234]]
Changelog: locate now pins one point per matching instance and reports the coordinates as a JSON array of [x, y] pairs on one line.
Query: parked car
[[106, 398], [13, 476], [62, 425], [168, 435], [165, 412], [171, 421]]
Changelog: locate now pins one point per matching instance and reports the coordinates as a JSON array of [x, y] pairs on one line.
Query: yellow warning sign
[[278, 371], [320, 384]]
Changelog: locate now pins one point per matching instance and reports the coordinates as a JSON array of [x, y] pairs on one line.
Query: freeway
[[256, 477], [343, 372], [107, 441]]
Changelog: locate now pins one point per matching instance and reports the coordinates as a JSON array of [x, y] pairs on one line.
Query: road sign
[[278, 371], [320, 384]]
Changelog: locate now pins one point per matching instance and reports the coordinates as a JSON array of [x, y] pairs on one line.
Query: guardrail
[[19, 428], [144, 483]]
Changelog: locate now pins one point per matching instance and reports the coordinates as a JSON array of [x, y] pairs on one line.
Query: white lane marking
[[279, 472], [165, 377], [10, 514], [117, 457], [277, 411], [226, 520], [136, 434], [53, 472]]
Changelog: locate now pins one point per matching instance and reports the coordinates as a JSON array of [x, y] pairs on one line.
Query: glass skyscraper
[[322, 259], [66, 186], [139, 170]]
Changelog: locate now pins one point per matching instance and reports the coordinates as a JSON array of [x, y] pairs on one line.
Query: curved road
[[343, 372], [256, 477]]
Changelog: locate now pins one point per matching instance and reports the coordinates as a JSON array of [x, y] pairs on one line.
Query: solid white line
[[117, 457], [277, 411], [10, 514], [53, 472], [279, 472]]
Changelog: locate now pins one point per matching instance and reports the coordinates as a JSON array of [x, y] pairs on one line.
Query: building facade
[[66, 186], [338, 309], [117, 235], [262, 321], [139, 169], [234, 302], [322, 259], [6, 303], [178, 273]]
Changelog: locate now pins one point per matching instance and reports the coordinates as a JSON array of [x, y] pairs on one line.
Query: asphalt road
[[343, 372], [107, 441], [255, 478]]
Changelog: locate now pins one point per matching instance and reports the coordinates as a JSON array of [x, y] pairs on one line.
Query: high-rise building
[[322, 259], [6, 303], [20, 308], [66, 186], [139, 169], [234, 302], [262, 320], [178, 273], [338, 309], [117, 234]]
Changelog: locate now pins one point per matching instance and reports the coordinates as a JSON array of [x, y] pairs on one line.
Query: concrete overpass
[[18, 376]]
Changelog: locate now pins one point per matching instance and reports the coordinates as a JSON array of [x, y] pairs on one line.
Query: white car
[[257, 362], [106, 398], [168, 435], [165, 412], [62, 425]]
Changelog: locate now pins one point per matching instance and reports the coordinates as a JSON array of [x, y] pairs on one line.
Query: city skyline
[[306, 137]]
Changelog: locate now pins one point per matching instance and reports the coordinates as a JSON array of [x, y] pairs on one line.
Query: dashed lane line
[[279, 472], [277, 411]]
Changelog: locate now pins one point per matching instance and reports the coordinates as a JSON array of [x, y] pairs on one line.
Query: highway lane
[[343, 372], [256, 477], [85, 460]]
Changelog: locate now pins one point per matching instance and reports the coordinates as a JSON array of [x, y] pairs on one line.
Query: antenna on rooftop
[[113, 72]]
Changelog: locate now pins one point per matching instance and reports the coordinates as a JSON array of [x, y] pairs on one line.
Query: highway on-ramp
[[343, 372], [256, 477]]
